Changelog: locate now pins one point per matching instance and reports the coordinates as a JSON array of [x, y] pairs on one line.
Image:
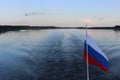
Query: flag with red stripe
[[95, 55]]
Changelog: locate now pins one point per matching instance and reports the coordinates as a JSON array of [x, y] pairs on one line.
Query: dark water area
[[55, 55]]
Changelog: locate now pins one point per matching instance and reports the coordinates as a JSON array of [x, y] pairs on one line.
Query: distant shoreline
[[5, 28]]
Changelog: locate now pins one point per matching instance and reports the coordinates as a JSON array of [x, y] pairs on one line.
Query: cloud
[[88, 21], [35, 13]]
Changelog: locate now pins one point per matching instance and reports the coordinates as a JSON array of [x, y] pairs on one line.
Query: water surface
[[55, 55]]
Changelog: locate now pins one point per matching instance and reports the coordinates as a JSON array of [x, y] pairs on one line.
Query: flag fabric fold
[[95, 55]]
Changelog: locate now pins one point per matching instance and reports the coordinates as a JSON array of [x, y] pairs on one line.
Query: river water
[[55, 54]]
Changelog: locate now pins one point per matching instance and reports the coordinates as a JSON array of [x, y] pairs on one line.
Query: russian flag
[[95, 55]]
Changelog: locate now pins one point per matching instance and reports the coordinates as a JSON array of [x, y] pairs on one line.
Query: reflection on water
[[55, 55]]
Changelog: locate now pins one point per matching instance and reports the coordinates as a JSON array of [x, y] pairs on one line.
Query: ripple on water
[[54, 55]]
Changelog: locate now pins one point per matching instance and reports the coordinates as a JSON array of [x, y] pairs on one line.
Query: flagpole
[[87, 54]]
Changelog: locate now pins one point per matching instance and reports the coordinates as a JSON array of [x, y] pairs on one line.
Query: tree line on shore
[[5, 28]]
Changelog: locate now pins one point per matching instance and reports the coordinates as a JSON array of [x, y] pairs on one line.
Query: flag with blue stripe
[[95, 55]]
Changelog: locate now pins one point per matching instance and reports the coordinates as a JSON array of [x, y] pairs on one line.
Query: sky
[[60, 12]]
